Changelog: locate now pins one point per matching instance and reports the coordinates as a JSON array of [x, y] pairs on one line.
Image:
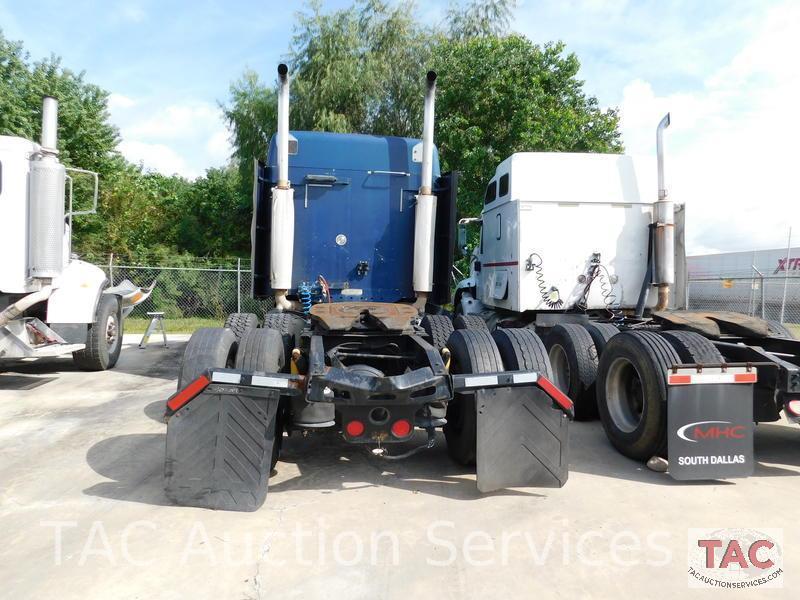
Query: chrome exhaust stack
[[282, 235], [49, 125], [664, 220], [47, 181], [425, 210]]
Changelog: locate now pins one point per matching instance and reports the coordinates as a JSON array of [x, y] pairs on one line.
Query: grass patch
[[139, 325]]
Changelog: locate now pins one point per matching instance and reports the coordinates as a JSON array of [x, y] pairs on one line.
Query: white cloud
[[118, 102], [170, 138], [219, 147], [177, 121], [731, 148], [156, 157]]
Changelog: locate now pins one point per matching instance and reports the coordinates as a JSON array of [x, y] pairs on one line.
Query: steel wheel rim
[[560, 364], [624, 395], [112, 332]]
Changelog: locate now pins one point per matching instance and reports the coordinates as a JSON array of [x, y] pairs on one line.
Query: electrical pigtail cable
[[550, 296]]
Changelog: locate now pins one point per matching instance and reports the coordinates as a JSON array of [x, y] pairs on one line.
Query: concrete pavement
[[83, 513]]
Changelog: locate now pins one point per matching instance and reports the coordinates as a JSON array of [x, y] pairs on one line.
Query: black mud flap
[[522, 440], [710, 427], [219, 448]]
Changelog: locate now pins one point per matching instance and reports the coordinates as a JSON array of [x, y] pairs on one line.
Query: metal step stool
[[156, 320]]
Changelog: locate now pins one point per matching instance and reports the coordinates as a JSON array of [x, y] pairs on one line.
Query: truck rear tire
[[573, 358], [439, 328], [208, 348], [473, 322], [290, 326], [239, 323], [104, 337], [471, 351], [523, 350], [693, 347], [600, 334], [262, 350], [632, 392]]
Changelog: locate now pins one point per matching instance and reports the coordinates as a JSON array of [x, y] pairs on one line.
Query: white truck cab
[[51, 303], [562, 232]]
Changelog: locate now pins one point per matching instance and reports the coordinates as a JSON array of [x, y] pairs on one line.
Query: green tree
[[214, 217], [87, 139], [500, 95], [251, 114], [480, 18], [356, 69], [360, 69]]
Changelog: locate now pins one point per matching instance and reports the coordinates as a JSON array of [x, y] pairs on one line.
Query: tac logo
[[735, 558], [711, 430]]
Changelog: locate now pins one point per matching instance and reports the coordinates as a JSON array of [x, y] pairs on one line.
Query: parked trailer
[[51, 303], [568, 249], [353, 236]]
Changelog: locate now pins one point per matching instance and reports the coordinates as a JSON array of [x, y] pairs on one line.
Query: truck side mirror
[[462, 238]]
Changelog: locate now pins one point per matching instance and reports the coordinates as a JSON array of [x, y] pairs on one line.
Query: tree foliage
[[357, 69], [360, 69], [138, 212], [500, 95], [481, 18]]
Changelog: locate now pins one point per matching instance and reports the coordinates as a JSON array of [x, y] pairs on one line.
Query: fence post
[[238, 285], [786, 278], [111, 268]]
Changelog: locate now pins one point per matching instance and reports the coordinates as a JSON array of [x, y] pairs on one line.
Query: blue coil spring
[[304, 291]]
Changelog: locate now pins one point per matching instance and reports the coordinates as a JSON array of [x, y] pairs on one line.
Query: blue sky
[[727, 70]]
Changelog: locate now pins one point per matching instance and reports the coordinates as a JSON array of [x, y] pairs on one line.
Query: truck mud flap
[[522, 439], [710, 422], [219, 448]]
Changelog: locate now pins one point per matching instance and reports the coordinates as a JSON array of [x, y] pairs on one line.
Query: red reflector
[[556, 394], [744, 378], [794, 407], [680, 379], [187, 393], [401, 428], [354, 428]]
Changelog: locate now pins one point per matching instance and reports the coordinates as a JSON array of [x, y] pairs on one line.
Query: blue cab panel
[[354, 212]]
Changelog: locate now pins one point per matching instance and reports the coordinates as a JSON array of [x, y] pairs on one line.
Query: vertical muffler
[[664, 219], [425, 211], [46, 201], [282, 238]]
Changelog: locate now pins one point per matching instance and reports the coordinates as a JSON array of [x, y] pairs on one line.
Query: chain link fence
[[772, 298], [190, 288]]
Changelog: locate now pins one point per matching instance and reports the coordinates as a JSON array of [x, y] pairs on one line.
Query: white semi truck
[[570, 248], [51, 303]]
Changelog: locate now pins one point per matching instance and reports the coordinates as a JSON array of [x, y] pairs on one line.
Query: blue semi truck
[[353, 237]]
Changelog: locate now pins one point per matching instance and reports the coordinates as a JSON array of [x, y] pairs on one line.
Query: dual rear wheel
[[478, 351], [248, 348]]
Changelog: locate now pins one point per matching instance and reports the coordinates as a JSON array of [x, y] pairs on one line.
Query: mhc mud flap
[[710, 422], [220, 435], [522, 430]]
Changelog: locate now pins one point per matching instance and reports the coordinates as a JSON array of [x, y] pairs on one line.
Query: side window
[[503, 186], [491, 193]]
